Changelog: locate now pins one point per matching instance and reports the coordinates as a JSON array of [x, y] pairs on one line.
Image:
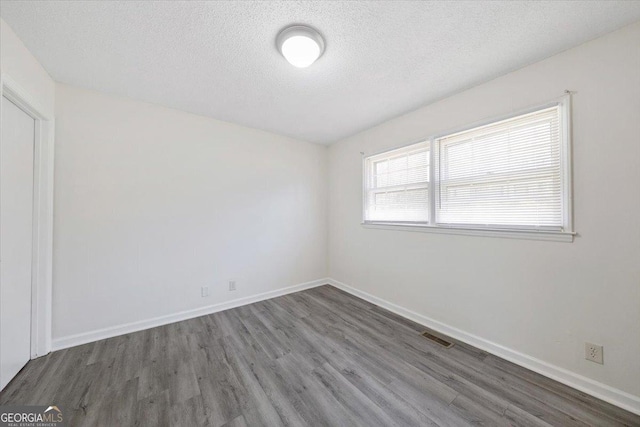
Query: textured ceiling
[[219, 58]]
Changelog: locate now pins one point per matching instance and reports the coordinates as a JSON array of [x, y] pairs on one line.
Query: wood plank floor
[[318, 357]]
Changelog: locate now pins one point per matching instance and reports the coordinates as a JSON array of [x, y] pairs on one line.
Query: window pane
[[397, 185], [401, 205], [503, 174]]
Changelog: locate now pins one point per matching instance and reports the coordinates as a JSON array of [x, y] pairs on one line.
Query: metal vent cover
[[443, 342]]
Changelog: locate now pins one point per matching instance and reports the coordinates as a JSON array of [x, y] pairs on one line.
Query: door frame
[[42, 245]]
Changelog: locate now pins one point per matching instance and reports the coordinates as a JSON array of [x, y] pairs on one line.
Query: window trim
[[566, 234]]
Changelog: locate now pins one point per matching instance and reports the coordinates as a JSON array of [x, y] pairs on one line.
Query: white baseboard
[[597, 389], [113, 331]]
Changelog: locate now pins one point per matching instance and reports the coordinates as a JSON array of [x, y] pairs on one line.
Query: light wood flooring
[[319, 357]]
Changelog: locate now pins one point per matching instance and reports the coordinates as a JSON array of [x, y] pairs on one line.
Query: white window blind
[[397, 185], [507, 174]]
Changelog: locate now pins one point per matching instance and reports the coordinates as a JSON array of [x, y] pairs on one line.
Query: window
[[398, 185], [508, 175]]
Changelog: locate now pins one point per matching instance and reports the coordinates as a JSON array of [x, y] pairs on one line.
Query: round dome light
[[300, 45]]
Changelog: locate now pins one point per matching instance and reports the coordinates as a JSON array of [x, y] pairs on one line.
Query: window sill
[[556, 236]]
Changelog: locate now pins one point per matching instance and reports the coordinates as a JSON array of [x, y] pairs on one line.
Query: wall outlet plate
[[205, 291], [232, 285], [594, 353]]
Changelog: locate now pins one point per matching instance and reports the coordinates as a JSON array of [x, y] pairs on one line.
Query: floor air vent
[[441, 341]]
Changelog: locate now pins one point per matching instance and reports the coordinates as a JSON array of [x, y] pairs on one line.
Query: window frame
[[424, 144], [565, 234]]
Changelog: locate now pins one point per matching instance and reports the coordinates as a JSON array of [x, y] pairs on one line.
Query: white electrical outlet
[[594, 353], [232, 285], [205, 291]]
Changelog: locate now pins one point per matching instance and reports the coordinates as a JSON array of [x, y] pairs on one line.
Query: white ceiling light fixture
[[300, 45]]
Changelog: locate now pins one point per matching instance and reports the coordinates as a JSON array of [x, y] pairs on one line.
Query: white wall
[[152, 203], [543, 299]]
